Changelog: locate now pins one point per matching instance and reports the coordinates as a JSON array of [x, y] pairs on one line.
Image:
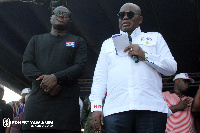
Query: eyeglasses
[[65, 14], [130, 14]]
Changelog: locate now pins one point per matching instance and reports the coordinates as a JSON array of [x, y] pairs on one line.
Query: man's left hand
[[135, 49], [48, 82], [55, 91], [97, 120]]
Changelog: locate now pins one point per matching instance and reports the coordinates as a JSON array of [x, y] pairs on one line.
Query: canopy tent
[[96, 20]]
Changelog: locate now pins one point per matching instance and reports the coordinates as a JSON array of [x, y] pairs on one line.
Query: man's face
[[1, 93], [183, 84], [23, 97], [129, 25], [26, 97], [60, 18]]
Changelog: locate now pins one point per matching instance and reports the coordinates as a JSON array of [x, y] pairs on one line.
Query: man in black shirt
[[5, 112], [54, 62]]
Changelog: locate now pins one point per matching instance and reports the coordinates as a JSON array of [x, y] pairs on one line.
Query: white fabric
[[183, 76], [130, 85], [1, 86], [81, 107], [25, 90]]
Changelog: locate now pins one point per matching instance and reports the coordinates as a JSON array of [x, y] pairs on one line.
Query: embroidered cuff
[[96, 106]]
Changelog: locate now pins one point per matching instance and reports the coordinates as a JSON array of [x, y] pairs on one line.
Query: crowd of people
[[126, 94]]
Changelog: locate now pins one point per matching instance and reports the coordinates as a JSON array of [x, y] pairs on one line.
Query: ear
[[141, 19], [50, 20], [176, 81]]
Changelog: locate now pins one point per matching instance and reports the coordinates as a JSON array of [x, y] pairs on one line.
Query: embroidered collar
[[136, 32]]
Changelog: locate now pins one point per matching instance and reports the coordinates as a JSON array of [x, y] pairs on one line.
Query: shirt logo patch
[[70, 44], [147, 39]]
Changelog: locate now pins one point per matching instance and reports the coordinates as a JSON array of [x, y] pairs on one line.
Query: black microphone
[[135, 57]]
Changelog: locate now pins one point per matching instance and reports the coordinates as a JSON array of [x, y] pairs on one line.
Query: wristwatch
[[146, 56]]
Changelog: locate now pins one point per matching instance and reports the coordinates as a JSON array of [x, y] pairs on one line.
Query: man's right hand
[[97, 120], [181, 105], [55, 91], [48, 82]]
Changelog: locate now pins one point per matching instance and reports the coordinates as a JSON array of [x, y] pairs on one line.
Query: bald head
[[62, 8], [131, 7], [60, 20], [128, 23]]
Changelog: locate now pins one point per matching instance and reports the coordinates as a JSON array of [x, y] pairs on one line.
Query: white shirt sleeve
[[162, 61], [81, 105], [98, 89]]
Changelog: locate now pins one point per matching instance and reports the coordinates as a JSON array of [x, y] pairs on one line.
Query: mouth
[[125, 24], [60, 20]]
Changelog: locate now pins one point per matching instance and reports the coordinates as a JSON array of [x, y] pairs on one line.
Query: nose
[[125, 17], [187, 84], [61, 15]]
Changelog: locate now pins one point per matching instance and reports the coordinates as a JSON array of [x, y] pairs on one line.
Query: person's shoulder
[[108, 42], [108, 39]]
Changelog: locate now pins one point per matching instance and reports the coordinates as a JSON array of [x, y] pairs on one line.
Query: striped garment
[[181, 121], [16, 105]]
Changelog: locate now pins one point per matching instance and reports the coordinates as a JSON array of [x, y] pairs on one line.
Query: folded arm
[[162, 61], [77, 69], [29, 68]]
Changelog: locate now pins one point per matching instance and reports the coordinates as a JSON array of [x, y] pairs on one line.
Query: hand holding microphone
[[135, 57], [135, 51]]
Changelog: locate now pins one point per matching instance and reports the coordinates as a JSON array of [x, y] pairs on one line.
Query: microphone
[[135, 57]]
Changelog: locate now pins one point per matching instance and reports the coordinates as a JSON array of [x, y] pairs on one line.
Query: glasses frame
[[126, 14], [68, 15]]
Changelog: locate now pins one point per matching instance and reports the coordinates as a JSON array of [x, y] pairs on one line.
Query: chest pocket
[[148, 42], [66, 53]]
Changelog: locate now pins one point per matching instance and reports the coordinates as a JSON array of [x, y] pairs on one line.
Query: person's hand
[[48, 82], [54, 91], [135, 49], [97, 120], [183, 104]]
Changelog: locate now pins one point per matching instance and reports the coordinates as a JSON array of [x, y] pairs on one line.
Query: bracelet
[[146, 56]]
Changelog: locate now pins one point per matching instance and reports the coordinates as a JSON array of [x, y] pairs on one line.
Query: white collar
[[136, 32]]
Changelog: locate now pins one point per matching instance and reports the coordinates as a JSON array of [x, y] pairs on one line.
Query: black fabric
[[6, 111], [48, 54], [1, 122]]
